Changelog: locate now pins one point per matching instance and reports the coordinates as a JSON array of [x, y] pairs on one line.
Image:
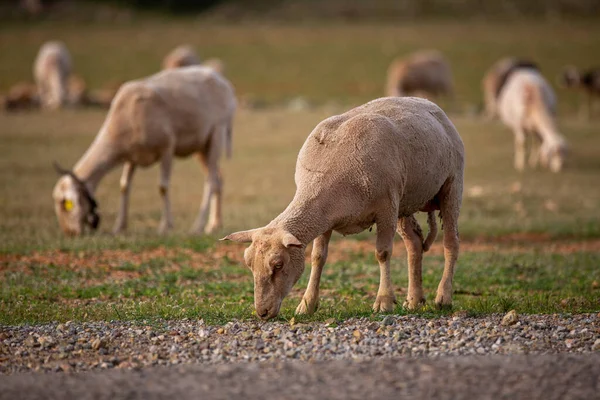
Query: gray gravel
[[547, 377], [72, 347]]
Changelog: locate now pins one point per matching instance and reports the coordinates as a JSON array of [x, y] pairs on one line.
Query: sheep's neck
[[97, 161], [546, 126], [305, 218]]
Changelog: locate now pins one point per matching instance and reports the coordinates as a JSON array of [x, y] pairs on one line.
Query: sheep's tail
[[433, 230]]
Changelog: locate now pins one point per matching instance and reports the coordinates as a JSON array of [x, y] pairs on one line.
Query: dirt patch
[[114, 264]]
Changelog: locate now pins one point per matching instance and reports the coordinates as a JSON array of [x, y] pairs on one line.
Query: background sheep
[[51, 71], [181, 56], [494, 80], [20, 96], [371, 165], [173, 113], [424, 73], [527, 104], [588, 81]]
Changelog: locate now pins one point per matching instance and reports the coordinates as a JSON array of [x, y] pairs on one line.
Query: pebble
[[75, 347], [510, 318]]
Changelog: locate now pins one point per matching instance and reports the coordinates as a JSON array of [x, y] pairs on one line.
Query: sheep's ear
[[60, 170], [241, 236], [290, 240]]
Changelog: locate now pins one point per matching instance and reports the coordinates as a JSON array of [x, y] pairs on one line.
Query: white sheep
[[424, 73], [181, 56], [496, 77], [527, 104], [377, 164], [51, 71], [175, 113]]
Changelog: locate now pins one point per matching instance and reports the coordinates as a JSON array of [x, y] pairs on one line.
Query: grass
[[174, 287], [178, 275]]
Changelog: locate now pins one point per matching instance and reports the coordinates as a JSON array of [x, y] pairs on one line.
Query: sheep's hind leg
[[318, 257], [125, 184], [449, 209], [386, 301], [211, 197], [166, 222], [412, 235]]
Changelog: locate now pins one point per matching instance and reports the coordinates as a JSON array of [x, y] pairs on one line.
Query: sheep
[[588, 81], [181, 56], [21, 96], [527, 104], [494, 80], [216, 64], [424, 73], [172, 113], [379, 163], [51, 70]]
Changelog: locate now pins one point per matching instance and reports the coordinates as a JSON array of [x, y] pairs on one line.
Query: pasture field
[[530, 241]]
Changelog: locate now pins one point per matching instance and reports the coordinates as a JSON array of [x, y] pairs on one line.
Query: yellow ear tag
[[68, 205]]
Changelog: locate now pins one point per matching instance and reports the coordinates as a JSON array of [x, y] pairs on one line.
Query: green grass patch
[[484, 283]]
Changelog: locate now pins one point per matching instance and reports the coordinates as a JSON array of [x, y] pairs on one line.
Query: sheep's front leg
[[386, 301], [318, 257], [166, 221], [125, 184], [412, 235], [519, 149]]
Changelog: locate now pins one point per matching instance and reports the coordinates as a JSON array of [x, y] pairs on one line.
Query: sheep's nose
[[263, 313]]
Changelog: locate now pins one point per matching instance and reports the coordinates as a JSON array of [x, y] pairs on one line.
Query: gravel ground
[[547, 377], [94, 346]]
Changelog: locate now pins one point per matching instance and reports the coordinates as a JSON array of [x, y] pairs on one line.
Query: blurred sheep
[[425, 73], [181, 56], [496, 77], [21, 96], [185, 55], [527, 104], [51, 71], [587, 81]]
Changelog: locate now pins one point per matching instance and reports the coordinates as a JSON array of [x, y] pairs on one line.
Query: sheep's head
[[553, 156], [276, 259], [570, 77], [74, 205]]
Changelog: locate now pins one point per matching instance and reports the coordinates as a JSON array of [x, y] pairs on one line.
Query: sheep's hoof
[[164, 228], [443, 302], [306, 307], [414, 305], [384, 304]]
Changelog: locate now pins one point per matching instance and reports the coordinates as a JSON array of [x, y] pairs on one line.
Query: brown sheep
[[424, 73]]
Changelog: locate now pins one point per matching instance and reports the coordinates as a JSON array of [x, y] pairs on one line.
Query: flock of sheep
[[377, 164]]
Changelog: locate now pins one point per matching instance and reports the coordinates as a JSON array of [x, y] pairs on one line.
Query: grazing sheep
[[424, 73], [173, 113], [51, 70], [377, 164], [77, 91], [494, 80], [588, 81], [21, 96], [181, 56], [216, 64], [527, 104]]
